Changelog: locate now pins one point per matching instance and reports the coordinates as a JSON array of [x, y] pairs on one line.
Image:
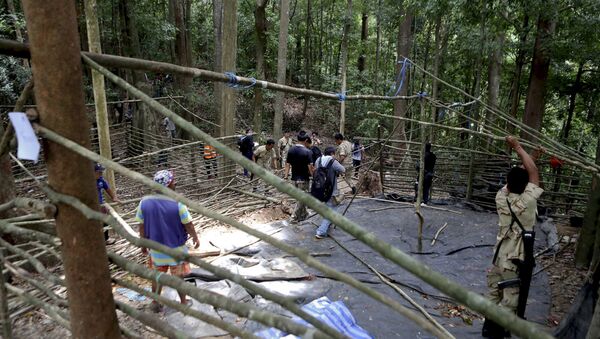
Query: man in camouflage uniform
[[520, 194], [265, 155], [343, 154], [283, 146]]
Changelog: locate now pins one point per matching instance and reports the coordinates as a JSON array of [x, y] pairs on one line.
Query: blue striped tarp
[[335, 314]]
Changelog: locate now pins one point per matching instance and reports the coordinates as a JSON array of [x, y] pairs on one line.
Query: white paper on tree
[[28, 144]]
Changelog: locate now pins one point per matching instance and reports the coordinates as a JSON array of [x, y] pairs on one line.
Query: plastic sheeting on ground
[[335, 314]]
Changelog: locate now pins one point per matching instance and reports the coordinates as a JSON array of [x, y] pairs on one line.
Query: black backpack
[[323, 181]]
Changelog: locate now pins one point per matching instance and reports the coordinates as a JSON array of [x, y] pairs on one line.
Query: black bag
[[323, 181]]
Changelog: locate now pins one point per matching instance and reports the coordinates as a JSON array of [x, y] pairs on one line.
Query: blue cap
[[99, 168]]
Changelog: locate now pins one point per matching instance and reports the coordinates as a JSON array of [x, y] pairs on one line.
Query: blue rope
[[400, 78], [342, 96], [233, 82]]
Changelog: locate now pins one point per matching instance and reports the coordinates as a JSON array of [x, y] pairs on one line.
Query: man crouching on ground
[[169, 223], [516, 204]]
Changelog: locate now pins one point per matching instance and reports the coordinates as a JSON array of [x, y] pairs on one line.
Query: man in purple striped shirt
[[169, 223]]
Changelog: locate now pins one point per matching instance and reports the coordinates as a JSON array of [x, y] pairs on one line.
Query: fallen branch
[[409, 204], [244, 246], [398, 289], [255, 195], [438, 233], [467, 247]]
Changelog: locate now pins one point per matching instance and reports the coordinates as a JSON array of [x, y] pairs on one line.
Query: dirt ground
[[565, 279]]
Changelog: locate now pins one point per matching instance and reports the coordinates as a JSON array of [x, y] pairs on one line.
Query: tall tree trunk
[[515, 88], [588, 243], [228, 61], [540, 67], [345, 37], [284, 22], [93, 32], [403, 48], [59, 96], [377, 47], [217, 66], [144, 120], [494, 69], [364, 33], [436, 67], [183, 43], [572, 99], [260, 25], [307, 47], [567, 127]]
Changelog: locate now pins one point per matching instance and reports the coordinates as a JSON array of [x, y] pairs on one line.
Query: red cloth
[[555, 162]]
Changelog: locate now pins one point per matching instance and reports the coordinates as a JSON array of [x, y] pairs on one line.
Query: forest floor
[[565, 279]]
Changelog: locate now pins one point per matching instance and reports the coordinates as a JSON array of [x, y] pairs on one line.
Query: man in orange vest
[[210, 160]]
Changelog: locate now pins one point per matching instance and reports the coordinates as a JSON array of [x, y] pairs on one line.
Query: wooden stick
[[438, 233], [398, 289], [409, 203], [244, 246]]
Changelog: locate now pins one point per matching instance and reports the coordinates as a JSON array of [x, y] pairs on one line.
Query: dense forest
[[536, 60]]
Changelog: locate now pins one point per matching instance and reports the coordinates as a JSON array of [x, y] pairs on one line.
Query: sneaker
[[423, 204], [319, 237]]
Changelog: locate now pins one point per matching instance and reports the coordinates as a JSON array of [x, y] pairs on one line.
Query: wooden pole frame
[[93, 35], [57, 73], [470, 299]]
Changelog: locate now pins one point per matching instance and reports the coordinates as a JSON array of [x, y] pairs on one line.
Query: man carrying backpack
[[324, 185]]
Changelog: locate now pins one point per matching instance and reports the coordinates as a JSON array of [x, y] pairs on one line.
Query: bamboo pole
[[512, 120], [13, 48], [301, 254], [586, 165], [388, 282], [108, 102], [93, 35], [381, 161], [470, 299], [421, 176]]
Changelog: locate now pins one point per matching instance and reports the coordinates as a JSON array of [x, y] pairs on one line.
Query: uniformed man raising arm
[[516, 203]]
